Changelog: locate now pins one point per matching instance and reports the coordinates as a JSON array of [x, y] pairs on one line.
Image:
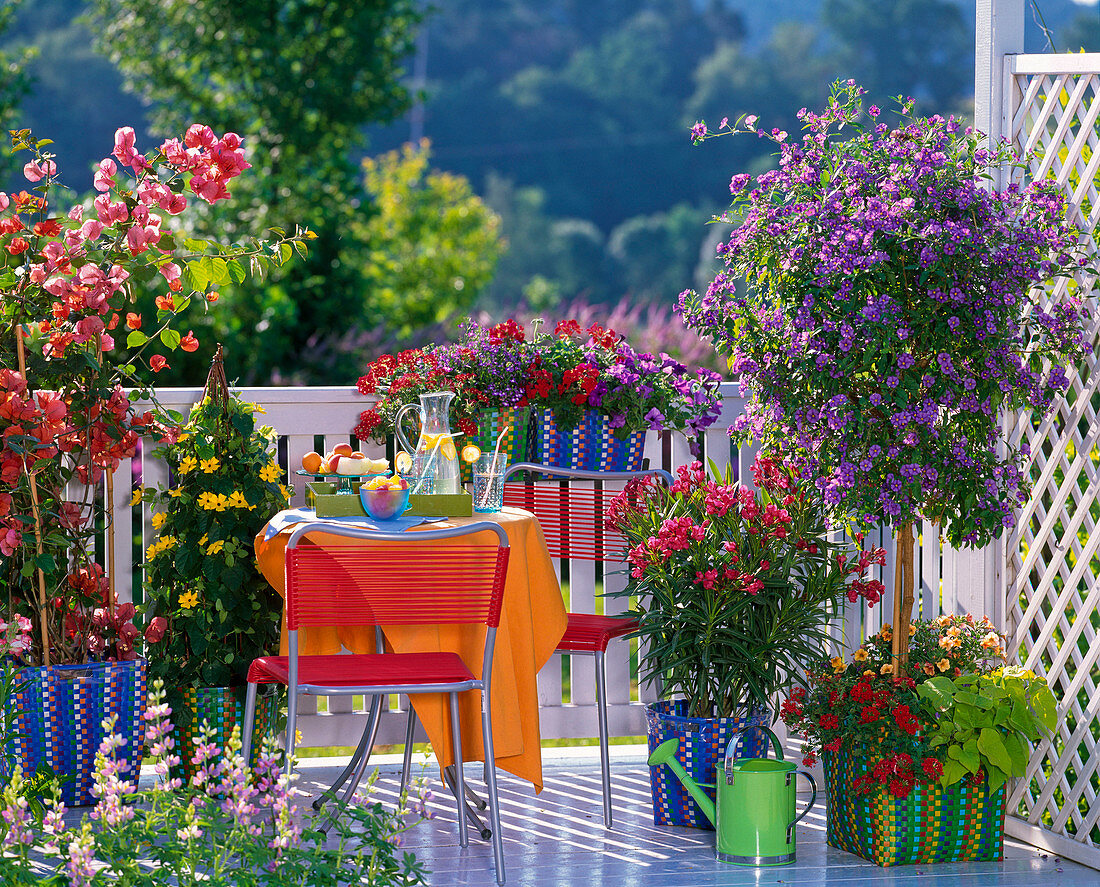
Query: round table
[[533, 620]]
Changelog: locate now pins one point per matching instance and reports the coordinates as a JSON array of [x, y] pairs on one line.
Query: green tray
[[321, 496], [441, 504]]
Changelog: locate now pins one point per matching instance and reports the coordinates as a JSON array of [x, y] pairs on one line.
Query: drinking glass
[[489, 482]]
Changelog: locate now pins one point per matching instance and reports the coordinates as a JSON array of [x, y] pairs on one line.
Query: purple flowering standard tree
[[893, 309]]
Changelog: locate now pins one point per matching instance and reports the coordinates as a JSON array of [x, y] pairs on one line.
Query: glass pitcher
[[436, 442]]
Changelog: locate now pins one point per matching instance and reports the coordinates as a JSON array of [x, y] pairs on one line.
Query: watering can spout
[[665, 753]]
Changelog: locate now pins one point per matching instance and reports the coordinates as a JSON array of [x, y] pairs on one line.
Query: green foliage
[[984, 720], [201, 572], [14, 81], [433, 244], [298, 80]]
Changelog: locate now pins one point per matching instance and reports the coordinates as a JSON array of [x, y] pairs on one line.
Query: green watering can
[[755, 818]]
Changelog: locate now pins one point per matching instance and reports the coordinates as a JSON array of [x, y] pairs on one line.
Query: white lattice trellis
[[1052, 575]]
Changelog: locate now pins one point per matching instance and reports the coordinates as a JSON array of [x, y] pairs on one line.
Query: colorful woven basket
[[960, 823], [490, 423], [703, 744], [591, 446], [222, 708], [59, 712]]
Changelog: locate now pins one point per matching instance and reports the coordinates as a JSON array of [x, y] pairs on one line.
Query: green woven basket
[[960, 823], [222, 708]]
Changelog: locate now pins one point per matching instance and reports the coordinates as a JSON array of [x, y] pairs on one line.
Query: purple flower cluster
[[893, 312]]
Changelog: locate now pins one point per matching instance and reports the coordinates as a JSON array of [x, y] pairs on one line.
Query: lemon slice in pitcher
[[470, 453], [403, 462]]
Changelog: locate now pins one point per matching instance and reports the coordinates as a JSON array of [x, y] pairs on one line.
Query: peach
[[343, 449], [312, 462]]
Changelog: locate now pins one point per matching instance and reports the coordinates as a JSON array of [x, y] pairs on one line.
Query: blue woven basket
[[59, 712], [703, 744], [591, 446]]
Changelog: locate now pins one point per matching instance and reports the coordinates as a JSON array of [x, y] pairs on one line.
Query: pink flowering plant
[[894, 308], [734, 586], [227, 826], [76, 353]]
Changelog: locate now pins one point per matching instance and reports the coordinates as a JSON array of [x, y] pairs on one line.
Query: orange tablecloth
[[532, 623]]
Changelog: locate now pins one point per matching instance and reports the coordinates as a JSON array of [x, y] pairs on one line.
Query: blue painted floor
[[558, 838]]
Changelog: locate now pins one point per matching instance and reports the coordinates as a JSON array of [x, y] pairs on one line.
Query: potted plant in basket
[[486, 370], [200, 573], [595, 397], [892, 313], [66, 421], [942, 731], [734, 591]]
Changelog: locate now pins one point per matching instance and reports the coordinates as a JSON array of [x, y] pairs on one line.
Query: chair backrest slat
[[572, 516], [378, 580]]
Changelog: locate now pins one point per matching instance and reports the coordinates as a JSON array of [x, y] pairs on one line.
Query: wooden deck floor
[[557, 839]]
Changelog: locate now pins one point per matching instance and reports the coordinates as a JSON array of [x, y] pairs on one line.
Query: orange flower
[[157, 363], [165, 303], [189, 342], [133, 321]]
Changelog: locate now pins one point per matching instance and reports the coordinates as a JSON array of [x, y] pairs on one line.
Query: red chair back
[[376, 579], [572, 516]]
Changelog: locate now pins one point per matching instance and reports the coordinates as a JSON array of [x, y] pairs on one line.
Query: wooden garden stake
[[903, 593], [22, 358]]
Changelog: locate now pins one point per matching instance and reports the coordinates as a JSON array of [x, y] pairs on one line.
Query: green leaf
[[236, 271], [1044, 704], [170, 338], [992, 745], [953, 771], [136, 339], [939, 691], [1017, 754], [996, 777], [968, 755]]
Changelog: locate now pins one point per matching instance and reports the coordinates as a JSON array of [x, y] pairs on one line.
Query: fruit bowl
[[384, 503]]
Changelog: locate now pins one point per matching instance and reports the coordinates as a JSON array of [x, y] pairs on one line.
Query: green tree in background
[[433, 244], [14, 83], [298, 79]]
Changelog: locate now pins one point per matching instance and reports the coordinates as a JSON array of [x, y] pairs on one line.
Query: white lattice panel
[[1052, 587]]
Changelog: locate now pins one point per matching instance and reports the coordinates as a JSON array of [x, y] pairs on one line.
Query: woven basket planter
[[222, 708], [490, 423], [591, 446], [59, 712], [703, 744], [960, 823]]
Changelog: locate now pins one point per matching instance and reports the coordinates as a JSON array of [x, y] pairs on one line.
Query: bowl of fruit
[[384, 498]]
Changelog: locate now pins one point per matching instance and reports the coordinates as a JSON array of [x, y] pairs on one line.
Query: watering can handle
[[404, 441], [735, 741], [813, 799]]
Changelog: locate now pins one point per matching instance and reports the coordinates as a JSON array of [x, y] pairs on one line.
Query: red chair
[[571, 518], [390, 578]]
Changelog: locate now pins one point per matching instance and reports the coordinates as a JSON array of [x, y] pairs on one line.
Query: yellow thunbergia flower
[[175, 492], [168, 542], [215, 546], [185, 436], [209, 466], [188, 463], [256, 408], [158, 520], [202, 541], [222, 503], [136, 498], [284, 491], [270, 473], [188, 600], [152, 551], [207, 501], [237, 500]]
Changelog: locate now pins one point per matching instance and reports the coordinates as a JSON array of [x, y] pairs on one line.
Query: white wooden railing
[[318, 418]]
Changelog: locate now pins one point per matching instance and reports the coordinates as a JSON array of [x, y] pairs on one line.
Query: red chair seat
[[364, 670], [588, 633]]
